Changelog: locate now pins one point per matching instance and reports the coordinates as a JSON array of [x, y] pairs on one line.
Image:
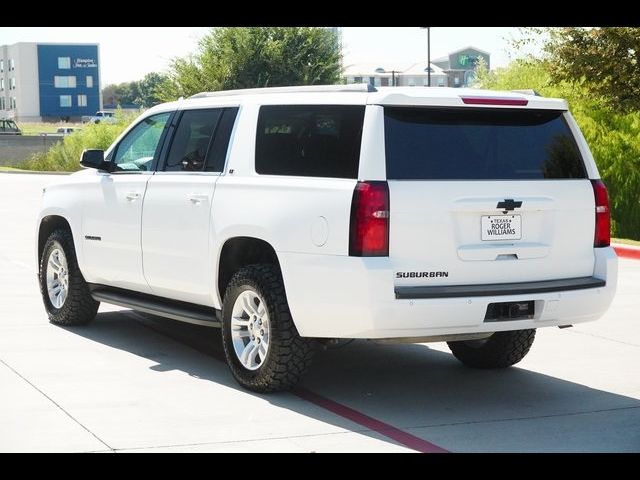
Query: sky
[[124, 56]]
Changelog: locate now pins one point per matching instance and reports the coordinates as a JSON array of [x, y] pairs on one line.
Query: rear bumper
[[493, 289], [349, 297]]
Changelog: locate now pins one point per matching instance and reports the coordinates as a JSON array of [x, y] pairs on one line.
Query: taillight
[[521, 102], [603, 215], [369, 230]]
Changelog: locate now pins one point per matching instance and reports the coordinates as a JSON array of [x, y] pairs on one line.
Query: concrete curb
[[626, 251]]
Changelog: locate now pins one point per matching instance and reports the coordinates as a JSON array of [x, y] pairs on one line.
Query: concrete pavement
[[132, 382]]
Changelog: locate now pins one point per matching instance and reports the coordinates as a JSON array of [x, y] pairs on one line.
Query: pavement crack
[[603, 338], [57, 405], [517, 419], [249, 440]]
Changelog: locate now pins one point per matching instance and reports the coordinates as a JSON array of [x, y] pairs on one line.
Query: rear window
[[479, 144], [309, 140]]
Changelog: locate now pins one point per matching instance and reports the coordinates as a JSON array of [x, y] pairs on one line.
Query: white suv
[[293, 216]]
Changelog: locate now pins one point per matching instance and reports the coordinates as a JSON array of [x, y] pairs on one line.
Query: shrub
[[65, 155]]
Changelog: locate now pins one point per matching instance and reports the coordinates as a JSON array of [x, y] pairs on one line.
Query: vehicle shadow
[[422, 391]]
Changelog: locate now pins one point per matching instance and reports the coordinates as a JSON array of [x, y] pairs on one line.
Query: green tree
[[605, 60], [246, 57], [148, 90], [141, 93]]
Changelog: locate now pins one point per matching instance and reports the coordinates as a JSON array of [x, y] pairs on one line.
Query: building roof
[[369, 69], [441, 59], [420, 68], [469, 47]]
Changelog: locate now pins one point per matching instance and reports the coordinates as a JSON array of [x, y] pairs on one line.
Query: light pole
[[428, 55]]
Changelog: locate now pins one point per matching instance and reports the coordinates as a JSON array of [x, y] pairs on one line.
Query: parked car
[[292, 216], [103, 116], [66, 130], [9, 127]]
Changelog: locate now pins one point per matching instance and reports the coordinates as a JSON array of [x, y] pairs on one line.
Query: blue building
[[49, 82]]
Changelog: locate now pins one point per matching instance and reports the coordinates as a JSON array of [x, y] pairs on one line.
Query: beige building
[[457, 69], [19, 96], [380, 75]]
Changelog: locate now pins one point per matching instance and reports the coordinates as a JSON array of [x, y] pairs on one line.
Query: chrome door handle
[[132, 196], [197, 198]]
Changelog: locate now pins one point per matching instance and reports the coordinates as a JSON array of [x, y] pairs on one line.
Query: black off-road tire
[[501, 350], [79, 307], [289, 355]]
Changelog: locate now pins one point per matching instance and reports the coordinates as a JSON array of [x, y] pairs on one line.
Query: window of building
[[12, 64], [64, 82], [309, 140], [137, 150], [82, 100], [441, 82], [191, 141], [1, 84], [89, 81], [384, 81], [1, 65], [456, 81], [12, 84], [2, 103], [65, 100], [13, 103], [357, 79], [64, 63]]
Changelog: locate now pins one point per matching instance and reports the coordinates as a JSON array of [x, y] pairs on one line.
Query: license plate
[[501, 227]]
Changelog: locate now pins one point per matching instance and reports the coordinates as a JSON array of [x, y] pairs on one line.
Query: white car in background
[[103, 116], [293, 216]]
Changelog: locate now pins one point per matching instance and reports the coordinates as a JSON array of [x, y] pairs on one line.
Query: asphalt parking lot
[[132, 382]]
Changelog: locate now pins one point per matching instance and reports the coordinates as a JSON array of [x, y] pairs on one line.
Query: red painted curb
[[627, 252], [389, 431]]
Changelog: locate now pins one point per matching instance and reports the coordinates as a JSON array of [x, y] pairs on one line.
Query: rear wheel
[[261, 344], [64, 291], [500, 350]]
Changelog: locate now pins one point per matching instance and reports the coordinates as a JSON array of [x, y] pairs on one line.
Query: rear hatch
[[482, 195]]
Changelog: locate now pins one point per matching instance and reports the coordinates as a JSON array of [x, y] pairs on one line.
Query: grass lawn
[[36, 128], [626, 241], [10, 169]]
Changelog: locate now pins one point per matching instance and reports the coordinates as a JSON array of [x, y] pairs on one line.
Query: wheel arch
[[46, 226], [238, 252]]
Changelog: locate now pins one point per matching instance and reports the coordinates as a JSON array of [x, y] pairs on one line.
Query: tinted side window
[[191, 141], [139, 147], [309, 140], [479, 144], [218, 152]]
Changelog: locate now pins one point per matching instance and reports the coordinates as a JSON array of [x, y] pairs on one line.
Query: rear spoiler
[[527, 92]]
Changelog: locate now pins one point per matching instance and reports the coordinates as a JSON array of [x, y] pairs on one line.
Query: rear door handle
[[197, 198], [132, 196]]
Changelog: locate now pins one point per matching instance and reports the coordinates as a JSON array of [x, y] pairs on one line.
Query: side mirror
[[95, 159]]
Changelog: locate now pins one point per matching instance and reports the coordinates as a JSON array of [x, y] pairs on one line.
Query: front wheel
[[65, 293], [500, 350], [261, 344]]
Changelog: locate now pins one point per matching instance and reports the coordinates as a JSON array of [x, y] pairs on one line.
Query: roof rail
[[528, 91], [354, 87]]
